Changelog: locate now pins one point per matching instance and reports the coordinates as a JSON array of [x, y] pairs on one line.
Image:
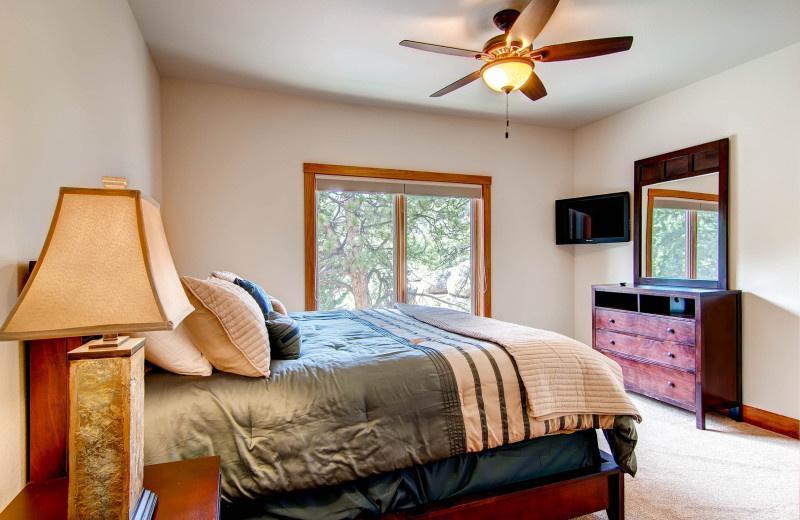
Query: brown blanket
[[561, 375]]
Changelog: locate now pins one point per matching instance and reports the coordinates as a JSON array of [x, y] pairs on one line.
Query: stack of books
[[146, 506]]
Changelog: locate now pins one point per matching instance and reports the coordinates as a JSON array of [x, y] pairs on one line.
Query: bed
[[404, 413], [383, 411]]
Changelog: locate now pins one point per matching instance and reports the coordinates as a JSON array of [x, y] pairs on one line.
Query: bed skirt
[[372, 496]]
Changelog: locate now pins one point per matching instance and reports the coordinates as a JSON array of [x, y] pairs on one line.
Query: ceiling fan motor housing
[[496, 45], [504, 20], [499, 45]]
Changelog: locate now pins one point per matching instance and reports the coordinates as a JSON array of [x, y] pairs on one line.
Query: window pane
[[669, 243], [707, 244], [438, 251], [355, 257]]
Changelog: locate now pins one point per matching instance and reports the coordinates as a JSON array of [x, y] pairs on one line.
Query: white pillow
[[227, 326], [174, 351]]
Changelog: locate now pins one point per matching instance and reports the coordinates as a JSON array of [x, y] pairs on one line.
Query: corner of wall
[[79, 104]]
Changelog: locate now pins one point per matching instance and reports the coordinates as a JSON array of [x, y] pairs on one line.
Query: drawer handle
[[613, 342], [671, 384], [612, 320], [671, 331], [670, 355]]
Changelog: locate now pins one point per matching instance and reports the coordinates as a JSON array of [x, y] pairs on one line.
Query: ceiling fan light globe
[[507, 73]]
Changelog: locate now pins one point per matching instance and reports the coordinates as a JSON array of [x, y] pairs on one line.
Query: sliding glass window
[[439, 251], [355, 250], [374, 241]]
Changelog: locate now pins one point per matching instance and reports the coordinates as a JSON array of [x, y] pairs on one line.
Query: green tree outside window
[[673, 239], [356, 251]]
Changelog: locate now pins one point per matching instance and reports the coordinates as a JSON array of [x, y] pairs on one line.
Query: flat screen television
[[590, 220]]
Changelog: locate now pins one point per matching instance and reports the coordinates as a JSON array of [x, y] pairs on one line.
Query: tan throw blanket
[[561, 375]]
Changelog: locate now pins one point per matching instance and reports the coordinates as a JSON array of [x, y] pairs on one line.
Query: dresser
[[679, 345]]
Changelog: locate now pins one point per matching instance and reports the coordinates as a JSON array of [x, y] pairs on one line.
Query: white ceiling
[[348, 49]]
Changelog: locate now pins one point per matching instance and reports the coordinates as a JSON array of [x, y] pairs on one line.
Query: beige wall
[[233, 186], [756, 105], [79, 99]]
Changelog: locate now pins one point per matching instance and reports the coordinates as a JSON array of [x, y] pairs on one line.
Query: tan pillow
[[225, 275], [173, 350], [227, 326], [278, 306]]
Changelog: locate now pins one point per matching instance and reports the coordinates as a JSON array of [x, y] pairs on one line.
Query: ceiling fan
[[509, 57]]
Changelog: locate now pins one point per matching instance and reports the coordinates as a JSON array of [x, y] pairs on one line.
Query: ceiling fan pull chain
[[506, 114]]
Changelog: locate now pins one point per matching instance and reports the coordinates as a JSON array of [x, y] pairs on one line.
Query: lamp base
[[106, 437], [107, 341]]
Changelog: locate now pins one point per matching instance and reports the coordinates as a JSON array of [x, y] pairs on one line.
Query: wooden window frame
[[691, 227], [481, 227]]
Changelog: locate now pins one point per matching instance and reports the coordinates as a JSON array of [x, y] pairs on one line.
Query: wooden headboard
[[48, 404]]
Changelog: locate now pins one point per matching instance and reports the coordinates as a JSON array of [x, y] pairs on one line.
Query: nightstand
[[187, 489]]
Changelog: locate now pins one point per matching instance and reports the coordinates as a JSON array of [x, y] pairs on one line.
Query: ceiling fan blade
[[533, 88], [583, 49], [531, 21], [458, 84], [440, 49]]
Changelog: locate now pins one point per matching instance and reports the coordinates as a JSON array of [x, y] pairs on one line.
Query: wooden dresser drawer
[[657, 381], [665, 353], [652, 332], [680, 330]]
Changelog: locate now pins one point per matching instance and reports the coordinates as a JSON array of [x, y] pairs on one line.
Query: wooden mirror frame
[[681, 164]]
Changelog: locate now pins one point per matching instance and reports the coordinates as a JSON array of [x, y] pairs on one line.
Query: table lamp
[[105, 268]]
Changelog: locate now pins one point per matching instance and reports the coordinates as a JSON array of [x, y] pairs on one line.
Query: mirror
[[680, 217], [680, 228]]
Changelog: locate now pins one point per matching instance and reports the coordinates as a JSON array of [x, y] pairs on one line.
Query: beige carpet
[[730, 471]]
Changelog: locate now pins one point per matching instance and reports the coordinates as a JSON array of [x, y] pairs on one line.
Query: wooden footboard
[[557, 497]]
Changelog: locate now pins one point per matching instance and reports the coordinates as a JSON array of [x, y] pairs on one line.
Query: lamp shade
[[507, 73], [104, 268]]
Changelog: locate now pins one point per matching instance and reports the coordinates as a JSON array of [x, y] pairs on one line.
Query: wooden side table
[[187, 490]]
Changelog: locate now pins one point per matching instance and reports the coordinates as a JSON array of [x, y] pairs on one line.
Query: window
[[355, 250], [683, 227], [375, 237], [439, 251]]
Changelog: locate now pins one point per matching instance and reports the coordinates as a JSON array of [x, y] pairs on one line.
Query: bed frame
[[558, 497]]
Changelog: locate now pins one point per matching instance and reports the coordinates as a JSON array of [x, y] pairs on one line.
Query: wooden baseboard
[[771, 421]]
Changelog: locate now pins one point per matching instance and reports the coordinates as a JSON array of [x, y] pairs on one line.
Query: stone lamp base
[[106, 432]]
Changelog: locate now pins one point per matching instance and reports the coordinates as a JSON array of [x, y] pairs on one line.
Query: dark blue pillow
[[258, 294], [284, 336]]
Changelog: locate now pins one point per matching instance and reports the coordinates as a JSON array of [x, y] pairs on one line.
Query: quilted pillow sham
[[227, 327], [283, 331]]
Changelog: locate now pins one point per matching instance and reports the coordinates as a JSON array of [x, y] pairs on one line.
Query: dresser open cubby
[[679, 345]]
